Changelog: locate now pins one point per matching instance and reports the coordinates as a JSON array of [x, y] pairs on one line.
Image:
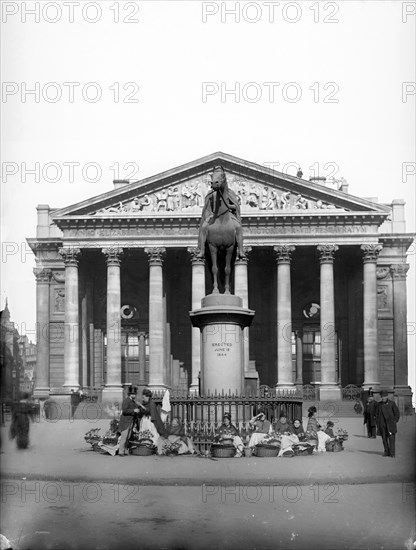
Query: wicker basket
[[98, 449], [142, 450], [267, 451], [303, 452], [334, 446], [222, 451], [228, 442]]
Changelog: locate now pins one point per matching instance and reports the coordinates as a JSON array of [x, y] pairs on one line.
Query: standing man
[[370, 417], [387, 417], [128, 409]]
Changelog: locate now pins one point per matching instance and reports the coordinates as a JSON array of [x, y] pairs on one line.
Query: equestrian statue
[[220, 229]]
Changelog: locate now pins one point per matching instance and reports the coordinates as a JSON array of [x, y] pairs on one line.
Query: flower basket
[[227, 441], [142, 450], [222, 451], [267, 451], [303, 449], [288, 453], [98, 449]]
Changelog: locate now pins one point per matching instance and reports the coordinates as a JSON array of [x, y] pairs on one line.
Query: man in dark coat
[[370, 417], [128, 409], [387, 417]]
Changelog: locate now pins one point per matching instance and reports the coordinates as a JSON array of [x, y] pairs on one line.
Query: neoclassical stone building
[[117, 275]]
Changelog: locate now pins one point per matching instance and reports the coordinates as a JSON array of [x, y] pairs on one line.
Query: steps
[[332, 409]]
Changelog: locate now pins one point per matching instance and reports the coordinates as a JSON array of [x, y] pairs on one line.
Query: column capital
[[382, 272], [155, 255], [399, 271], [113, 255], [283, 253], [371, 252], [70, 255], [195, 258], [244, 259], [327, 253], [43, 275]]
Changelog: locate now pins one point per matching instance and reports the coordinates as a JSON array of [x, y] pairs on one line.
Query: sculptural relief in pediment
[[188, 198]]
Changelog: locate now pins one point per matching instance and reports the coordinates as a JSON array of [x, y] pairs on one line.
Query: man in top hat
[[128, 409], [387, 417]]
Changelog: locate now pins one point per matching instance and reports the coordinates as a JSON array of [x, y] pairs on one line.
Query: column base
[[69, 387], [403, 395], [289, 387], [157, 387], [194, 389], [112, 395], [41, 393], [330, 393], [375, 386]]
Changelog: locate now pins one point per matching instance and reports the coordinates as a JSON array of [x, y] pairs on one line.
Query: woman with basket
[[261, 427], [228, 430], [177, 436]]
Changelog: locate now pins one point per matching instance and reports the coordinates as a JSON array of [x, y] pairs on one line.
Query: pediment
[[180, 192]]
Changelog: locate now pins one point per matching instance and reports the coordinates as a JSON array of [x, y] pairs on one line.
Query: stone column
[[84, 333], [142, 358], [284, 317], [113, 390], [71, 351], [156, 348], [241, 289], [401, 387], [299, 358], [42, 378], [329, 379], [198, 292], [371, 363]]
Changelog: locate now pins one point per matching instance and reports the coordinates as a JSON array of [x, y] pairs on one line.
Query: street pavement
[[59, 494], [58, 451]]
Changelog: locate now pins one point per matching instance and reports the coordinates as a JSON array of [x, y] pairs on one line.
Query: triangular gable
[[181, 191]]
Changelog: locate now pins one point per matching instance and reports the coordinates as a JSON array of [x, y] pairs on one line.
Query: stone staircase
[[332, 409]]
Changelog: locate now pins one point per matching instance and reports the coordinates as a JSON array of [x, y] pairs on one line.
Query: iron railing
[[203, 415]]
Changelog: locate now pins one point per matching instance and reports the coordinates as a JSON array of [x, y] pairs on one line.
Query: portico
[[325, 272]]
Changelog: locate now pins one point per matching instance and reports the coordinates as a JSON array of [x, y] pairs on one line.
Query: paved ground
[[59, 494], [58, 451], [111, 517]]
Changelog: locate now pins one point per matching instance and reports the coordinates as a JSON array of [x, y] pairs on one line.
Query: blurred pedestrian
[[388, 415], [22, 414]]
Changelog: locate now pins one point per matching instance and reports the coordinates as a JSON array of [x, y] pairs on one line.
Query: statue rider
[[218, 182]]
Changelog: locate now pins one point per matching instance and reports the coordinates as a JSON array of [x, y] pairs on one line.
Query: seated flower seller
[[176, 434], [323, 439], [282, 425], [227, 428], [261, 427], [297, 429], [313, 425], [329, 430]]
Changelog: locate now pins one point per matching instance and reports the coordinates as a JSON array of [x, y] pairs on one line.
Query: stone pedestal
[[221, 320]]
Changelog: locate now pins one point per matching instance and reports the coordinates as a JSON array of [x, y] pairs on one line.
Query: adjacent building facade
[[117, 275]]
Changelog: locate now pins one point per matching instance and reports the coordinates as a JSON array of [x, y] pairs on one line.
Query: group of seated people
[[146, 418], [291, 433]]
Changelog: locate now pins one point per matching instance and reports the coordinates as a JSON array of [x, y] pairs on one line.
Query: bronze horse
[[220, 227]]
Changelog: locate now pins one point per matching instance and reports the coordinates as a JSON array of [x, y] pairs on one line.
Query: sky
[[93, 91]]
